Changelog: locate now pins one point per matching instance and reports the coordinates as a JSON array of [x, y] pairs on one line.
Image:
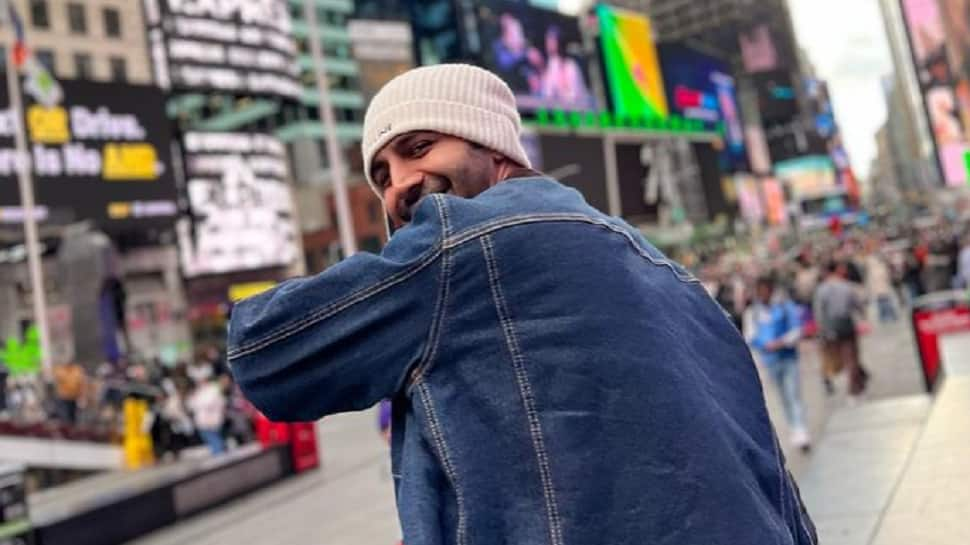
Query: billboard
[[758, 51], [807, 177], [578, 162], [700, 87], [240, 213], [776, 96], [240, 47], [661, 181], [928, 42], [382, 49], [539, 53], [102, 154], [632, 71]]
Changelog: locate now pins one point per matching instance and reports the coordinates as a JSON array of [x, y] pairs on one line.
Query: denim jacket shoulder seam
[[336, 307], [477, 231], [434, 333], [525, 391]]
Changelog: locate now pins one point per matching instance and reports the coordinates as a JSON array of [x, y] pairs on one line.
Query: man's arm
[[344, 339]]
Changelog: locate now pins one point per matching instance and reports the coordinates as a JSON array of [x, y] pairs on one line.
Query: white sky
[[846, 41]]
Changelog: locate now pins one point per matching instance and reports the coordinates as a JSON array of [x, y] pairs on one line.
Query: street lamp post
[[345, 225]]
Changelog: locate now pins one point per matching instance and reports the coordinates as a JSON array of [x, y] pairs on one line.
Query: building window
[[38, 14], [46, 57], [119, 69], [112, 22], [77, 20], [83, 68]]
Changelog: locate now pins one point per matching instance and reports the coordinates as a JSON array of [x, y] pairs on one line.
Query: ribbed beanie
[[455, 99]]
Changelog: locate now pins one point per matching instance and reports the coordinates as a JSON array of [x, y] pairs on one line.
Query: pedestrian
[[879, 285], [554, 377], [773, 327], [208, 406], [70, 384], [836, 303], [963, 265]]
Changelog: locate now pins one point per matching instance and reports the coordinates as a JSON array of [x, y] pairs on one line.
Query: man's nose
[[403, 195]]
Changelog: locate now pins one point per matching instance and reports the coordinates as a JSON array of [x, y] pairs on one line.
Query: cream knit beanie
[[455, 99]]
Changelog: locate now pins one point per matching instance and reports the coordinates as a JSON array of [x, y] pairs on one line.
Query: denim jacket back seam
[[525, 391], [441, 448], [477, 231]]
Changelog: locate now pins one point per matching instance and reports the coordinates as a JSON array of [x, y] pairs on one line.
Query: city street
[[350, 500]]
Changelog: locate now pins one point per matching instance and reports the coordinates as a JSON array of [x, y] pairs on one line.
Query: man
[[773, 327], [836, 303], [70, 385], [555, 379]]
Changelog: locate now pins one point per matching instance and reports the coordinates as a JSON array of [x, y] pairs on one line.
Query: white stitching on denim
[[442, 448], [528, 398], [328, 311], [434, 336], [513, 221]]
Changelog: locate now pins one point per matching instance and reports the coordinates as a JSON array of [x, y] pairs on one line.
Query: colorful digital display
[[700, 88], [633, 76]]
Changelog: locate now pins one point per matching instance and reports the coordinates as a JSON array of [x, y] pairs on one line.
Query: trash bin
[[15, 527], [934, 316]]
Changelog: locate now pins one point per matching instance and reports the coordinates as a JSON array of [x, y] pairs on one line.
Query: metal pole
[[25, 179], [345, 224]]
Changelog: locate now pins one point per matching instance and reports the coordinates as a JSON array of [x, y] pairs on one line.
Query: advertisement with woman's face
[[539, 53]]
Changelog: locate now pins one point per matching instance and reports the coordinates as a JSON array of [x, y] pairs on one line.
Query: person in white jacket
[[879, 285], [208, 406]]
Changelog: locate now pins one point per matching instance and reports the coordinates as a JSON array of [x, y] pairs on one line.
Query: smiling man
[[555, 379]]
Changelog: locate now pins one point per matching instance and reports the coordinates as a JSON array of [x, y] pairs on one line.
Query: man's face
[[420, 163]]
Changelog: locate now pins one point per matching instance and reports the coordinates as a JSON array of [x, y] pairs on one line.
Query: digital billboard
[[634, 82], [776, 96], [928, 41], [242, 47], [539, 53], [102, 154], [577, 162], [700, 87], [240, 213], [807, 177]]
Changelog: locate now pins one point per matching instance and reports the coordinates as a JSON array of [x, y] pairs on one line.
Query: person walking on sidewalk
[[836, 303], [774, 328], [554, 378]]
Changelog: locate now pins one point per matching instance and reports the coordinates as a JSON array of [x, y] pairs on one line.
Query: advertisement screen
[[633, 77], [776, 96], [661, 175], [758, 51], [242, 47], [927, 36], [579, 163], [382, 49], [539, 53], [700, 87], [240, 205], [774, 199], [807, 177], [102, 154]]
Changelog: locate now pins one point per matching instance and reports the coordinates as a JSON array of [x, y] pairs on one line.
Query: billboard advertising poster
[[238, 47], [928, 41], [240, 205], [776, 96], [102, 154], [774, 200], [382, 49], [577, 161], [807, 177], [539, 53], [701, 88], [660, 180], [758, 52], [634, 82], [749, 198]]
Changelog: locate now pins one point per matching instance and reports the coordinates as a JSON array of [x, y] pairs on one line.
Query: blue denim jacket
[[556, 380]]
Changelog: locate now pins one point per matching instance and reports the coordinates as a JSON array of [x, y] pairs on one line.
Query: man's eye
[[420, 147]]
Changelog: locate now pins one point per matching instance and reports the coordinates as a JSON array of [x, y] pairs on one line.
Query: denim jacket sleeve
[[344, 339]]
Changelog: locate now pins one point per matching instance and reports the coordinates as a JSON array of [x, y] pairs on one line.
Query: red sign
[[930, 325]]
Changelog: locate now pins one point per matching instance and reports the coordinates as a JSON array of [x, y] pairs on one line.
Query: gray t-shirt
[[835, 300]]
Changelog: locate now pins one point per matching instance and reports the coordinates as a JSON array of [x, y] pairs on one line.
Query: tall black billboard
[[240, 47], [578, 162], [103, 154]]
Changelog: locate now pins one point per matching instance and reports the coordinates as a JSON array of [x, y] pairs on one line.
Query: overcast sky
[[846, 41]]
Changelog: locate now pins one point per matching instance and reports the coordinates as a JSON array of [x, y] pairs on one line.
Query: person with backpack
[[773, 327], [836, 303]]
